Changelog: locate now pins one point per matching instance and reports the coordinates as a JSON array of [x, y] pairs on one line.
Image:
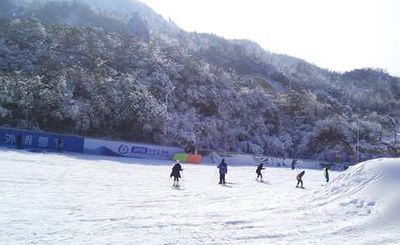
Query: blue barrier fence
[[40, 141]]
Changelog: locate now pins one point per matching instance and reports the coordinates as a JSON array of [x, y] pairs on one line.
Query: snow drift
[[370, 187]]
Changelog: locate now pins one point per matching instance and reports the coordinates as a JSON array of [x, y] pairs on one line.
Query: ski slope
[[77, 199]]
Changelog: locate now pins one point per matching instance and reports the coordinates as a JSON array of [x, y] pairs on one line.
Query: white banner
[[128, 149], [233, 159]]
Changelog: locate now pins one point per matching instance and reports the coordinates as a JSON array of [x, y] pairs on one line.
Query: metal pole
[[166, 105], [358, 139]]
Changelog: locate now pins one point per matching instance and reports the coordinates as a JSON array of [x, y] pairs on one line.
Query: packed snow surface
[[78, 199]]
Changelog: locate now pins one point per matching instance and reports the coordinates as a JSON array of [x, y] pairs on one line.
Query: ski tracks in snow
[[78, 200]]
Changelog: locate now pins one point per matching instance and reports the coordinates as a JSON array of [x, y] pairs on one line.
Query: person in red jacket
[[300, 179]]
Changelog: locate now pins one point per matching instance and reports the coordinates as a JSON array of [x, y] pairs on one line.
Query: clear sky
[[339, 35]]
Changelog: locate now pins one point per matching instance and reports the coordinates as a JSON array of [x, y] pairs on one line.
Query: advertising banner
[[128, 149], [24, 139]]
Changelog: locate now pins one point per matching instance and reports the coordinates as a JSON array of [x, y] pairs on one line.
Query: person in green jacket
[[326, 173]]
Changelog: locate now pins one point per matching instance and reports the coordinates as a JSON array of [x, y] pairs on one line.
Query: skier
[[176, 173], [300, 179], [294, 162], [326, 173], [223, 169], [258, 171]]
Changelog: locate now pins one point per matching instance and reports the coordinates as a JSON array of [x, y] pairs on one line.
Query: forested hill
[[116, 69]]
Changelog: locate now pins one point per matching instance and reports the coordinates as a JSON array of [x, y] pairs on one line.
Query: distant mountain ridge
[[118, 69]]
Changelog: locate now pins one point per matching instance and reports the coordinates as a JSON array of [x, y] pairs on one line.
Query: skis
[[263, 182], [226, 185], [177, 187], [230, 183]]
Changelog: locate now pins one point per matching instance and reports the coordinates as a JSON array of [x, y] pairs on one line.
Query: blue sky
[[336, 34]]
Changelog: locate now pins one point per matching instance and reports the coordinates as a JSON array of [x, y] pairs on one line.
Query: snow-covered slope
[[368, 189], [78, 199]]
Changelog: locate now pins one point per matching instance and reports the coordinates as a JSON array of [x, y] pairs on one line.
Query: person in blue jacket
[[223, 169]]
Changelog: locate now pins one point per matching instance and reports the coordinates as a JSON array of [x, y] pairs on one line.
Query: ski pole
[[169, 181], [215, 174]]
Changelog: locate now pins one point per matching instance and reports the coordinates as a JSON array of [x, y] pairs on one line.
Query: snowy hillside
[[118, 70], [121, 6], [78, 199], [121, 9]]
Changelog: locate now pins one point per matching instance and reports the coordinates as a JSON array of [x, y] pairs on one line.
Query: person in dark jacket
[[326, 173], [300, 179], [294, 162], [258, 171], [176, 173], [223, 169]]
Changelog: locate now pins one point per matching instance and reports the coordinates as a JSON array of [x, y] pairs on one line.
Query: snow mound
[[369, 188]]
